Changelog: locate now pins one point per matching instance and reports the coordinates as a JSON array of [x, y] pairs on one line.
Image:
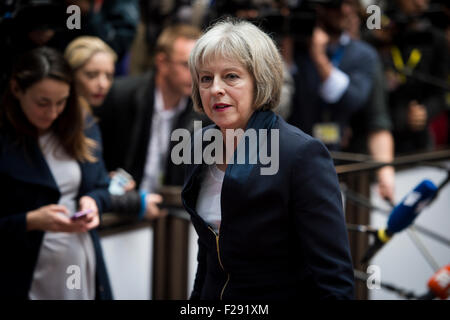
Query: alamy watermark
[[252, 147], [74, 20], [374, 277], [73, 281], [374, 19]]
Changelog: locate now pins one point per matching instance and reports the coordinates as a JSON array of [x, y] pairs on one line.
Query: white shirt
[[157, 150], [208, 202], [334, 87], [60, 251]]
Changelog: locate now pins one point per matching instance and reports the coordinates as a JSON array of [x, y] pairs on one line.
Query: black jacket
[[282, 236], [26, 183]]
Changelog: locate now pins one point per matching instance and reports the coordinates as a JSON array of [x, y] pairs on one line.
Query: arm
[[320, 224], [347, 90], [381, 148], [97, 171]]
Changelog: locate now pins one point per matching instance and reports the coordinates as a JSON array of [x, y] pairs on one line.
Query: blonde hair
[[245, 43], [81, 49]]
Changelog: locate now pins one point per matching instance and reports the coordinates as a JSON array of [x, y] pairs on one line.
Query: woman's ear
[[15, 89]]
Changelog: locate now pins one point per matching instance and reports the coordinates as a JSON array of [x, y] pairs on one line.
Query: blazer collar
[[29, 167], [237, 172]]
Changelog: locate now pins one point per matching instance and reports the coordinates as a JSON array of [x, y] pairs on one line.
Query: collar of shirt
[[344, 40], [168, 113]]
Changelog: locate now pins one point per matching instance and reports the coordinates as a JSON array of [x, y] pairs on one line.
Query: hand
[[91, 220], [153, 211], [53, 218], [386, 182], [417, 116], [129, 186], [319, 42]]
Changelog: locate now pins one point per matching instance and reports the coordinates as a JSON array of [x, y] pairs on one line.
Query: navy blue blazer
[[26, 184], [282, 236]]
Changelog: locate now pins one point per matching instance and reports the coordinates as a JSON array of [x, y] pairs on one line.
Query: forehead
[[50, 89], [101, 60], [217, 64], [182, 48]]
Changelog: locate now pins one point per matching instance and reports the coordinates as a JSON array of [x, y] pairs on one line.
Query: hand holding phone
[[80, 214], [120, 182]]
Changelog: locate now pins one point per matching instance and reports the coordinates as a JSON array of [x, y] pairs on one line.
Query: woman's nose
[[217, 87], [53, 111], [103, 81]]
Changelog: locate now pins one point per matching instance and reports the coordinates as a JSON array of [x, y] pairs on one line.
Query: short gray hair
[[245, 43]]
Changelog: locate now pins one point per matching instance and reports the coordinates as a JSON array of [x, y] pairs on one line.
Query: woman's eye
[[91, 75], [205, 79], [232, 76]]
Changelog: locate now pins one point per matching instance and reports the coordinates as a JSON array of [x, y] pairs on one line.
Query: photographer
[[334, 76], [415, 60]]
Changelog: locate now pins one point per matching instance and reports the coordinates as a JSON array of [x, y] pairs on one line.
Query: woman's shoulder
[[293, 138]]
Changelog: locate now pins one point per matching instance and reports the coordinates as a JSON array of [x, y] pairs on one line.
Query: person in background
[[93, 63], [261, 237], [415, 61], [113, 21], [334, 78], [50, 167], [140, 112], [370, 129]]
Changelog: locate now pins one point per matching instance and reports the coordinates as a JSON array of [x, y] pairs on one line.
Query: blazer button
[[101, 289]]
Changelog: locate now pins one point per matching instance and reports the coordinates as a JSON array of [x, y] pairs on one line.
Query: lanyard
[[413, 60]]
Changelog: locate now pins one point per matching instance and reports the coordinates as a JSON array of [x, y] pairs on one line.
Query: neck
[[170, 98]]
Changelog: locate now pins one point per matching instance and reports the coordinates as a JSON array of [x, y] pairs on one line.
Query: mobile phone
[[80, 214], [119, 181]]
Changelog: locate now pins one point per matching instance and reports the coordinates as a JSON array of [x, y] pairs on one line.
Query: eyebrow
[[239, 69], [45, 99]]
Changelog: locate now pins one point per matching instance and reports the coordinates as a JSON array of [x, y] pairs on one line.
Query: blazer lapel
[[240, 173], [28, 167]]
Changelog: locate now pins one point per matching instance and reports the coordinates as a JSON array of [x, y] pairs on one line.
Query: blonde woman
[[93, 63]]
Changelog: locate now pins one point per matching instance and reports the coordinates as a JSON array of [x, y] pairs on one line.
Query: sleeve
[[319, 223], [200, 275], [13, 228], [334, 87], [360, 75], [99, 191], [129, 204]]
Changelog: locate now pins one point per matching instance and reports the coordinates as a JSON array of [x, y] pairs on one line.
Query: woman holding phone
[[50, 167]]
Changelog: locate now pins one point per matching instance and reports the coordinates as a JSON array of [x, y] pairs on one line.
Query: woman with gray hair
[[277, 235]]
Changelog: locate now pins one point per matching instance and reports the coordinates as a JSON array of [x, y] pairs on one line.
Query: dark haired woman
[[50, 168]]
